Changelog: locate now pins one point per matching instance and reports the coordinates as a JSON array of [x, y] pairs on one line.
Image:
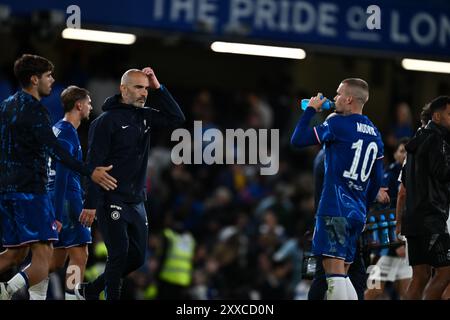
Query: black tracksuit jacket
[[427, 180], [121, 137]]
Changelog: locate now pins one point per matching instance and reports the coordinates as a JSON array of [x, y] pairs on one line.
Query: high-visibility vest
[[151, 292], [177, 267]]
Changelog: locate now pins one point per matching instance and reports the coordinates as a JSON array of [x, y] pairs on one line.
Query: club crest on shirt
[[115, 215]]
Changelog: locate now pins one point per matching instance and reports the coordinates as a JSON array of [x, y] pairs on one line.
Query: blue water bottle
[[328, 104], [372, 232], [384, 230]]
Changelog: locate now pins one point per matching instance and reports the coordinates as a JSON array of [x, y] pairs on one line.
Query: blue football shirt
[[63, 182], [352, 145]]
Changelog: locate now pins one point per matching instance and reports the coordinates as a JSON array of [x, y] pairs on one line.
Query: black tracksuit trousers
[[124, 228]]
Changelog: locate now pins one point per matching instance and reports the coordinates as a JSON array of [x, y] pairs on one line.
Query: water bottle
[[372, 232], [384, 230], [392, 225], [328, 104], [311, 266]]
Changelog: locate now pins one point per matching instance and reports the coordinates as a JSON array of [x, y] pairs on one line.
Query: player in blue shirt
[[353, 175], [26, 142], [65, 188]]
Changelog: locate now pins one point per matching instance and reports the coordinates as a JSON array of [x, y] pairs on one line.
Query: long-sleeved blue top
[[26, 142], [62, 182], [353, 166]]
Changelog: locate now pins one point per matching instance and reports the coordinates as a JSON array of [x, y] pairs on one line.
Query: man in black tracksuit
[[121, 137], [427, 180]]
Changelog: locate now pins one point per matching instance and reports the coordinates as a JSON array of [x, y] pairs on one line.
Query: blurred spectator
[[403, 126], [203, 109], [271, 233], [260, 112], [280, 203], [291, 251], [392, 172], [176, 261], [275, 282]]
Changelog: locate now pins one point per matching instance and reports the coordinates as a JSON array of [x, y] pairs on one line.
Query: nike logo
[[124, 127]]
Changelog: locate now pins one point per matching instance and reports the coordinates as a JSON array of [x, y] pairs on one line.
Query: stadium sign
[[406, 28], [397, 27]]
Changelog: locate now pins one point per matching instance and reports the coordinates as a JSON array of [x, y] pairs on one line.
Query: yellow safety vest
[[177, 268]]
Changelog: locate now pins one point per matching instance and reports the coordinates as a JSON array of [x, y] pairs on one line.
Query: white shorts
[[390, 269]]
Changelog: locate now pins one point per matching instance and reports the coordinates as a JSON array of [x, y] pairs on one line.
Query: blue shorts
[[72, 233], [336, 237], [27, 218]]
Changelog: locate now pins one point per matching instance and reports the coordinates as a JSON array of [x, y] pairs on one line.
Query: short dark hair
[[438, 104], [357, 82], [29, 65], [71, 95], [362, 95]]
